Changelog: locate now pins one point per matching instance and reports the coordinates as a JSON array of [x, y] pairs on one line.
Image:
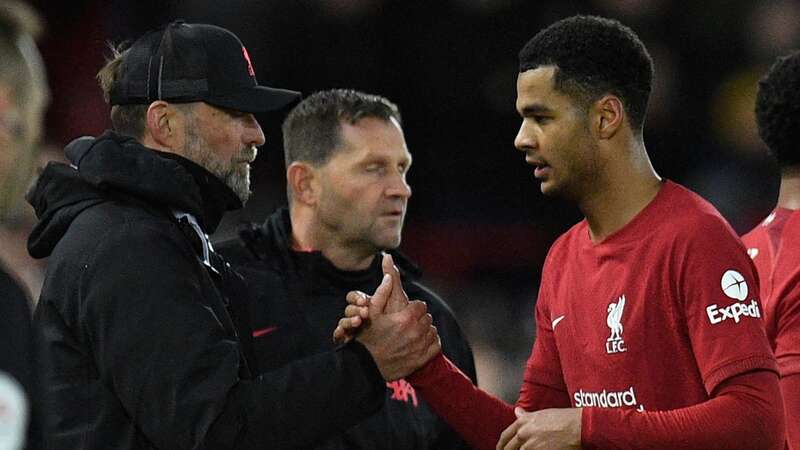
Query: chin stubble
[[197, 149]]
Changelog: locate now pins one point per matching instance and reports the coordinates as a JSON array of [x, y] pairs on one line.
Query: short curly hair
[[594, 56], [778, 109]]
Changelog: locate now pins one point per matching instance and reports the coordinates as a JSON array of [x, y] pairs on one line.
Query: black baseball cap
[[184, 62]]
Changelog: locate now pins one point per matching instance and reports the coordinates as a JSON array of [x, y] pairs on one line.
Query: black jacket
[[144, 353], [18, 366], [299, 298]]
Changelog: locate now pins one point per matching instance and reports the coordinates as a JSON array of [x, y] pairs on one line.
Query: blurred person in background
[[347, 163], [138, 312], [23, 98], [774, 245], [647, 335]]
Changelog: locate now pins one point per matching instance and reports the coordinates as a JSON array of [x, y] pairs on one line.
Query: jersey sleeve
[[718, 292], [743, 414], [454, 343], [543, 384], [476, 415]]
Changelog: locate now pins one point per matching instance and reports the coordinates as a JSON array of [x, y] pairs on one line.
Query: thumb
[[398, 300], [519, 412], [381, 296], [387, 263]]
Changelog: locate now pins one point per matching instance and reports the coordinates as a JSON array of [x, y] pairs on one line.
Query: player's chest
[[606, 315]]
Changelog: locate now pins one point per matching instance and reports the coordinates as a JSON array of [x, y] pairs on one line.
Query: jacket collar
[[274, 237], [113, 161], [113, 166]]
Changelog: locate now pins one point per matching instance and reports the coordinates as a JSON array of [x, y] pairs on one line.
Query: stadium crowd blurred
[[477, 223]]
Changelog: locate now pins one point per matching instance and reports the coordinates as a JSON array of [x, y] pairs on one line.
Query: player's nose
[[525, 139]]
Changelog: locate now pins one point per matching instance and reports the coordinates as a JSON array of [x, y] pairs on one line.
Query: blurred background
[[477, 223]]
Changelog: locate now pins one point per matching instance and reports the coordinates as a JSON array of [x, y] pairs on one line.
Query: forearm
[[301, 403], [745, 414], [790, 387], [474, 414]]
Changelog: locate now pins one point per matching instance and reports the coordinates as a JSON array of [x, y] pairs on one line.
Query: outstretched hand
[[398, 333], [397, 298], [386, 299]]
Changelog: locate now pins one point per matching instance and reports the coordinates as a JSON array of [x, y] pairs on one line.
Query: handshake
[[398, 333]]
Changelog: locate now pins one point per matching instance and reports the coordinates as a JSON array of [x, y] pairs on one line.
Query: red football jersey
[[654, 317], [774, 246]]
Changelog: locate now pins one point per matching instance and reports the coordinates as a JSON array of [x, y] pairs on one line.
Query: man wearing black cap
[[138, 312]]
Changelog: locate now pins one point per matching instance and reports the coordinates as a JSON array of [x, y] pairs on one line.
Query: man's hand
[[357, 310], [398, 299], [399, 334], [552, 429]]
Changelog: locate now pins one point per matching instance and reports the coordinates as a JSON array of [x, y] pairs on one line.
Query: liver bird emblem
[[614, 320]]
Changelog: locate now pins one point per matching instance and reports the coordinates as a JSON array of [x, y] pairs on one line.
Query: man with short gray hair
[[347, 163]]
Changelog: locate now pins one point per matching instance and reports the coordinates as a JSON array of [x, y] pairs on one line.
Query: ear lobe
[[301, 180], [611, 114]]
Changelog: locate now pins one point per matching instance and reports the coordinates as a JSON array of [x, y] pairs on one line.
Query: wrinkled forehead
[[372, 136]]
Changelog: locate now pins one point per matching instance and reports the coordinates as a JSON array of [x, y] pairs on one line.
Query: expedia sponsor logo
[[735, 311], [734, 286], [605, 399]]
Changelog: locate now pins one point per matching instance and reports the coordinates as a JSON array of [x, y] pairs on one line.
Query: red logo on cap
[[249, 64]]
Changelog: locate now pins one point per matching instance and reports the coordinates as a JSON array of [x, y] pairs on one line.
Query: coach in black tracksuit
[[300, 296], [137, 312], [346, 166]]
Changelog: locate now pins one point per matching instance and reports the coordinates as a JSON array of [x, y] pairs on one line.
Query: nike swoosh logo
[[555, 322], [264, 331]]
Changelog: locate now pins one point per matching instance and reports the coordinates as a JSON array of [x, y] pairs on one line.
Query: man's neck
[[309, 235], [626, 186], [789, 196]]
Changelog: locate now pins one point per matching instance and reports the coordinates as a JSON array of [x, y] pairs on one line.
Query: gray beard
[[197, 150]]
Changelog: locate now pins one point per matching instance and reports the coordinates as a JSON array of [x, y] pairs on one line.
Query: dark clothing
[[299, 298], [18, 360], [134, 314]]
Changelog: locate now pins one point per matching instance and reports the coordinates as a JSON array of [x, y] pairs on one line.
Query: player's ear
[[159, 124], [302, 180], [608, 116]]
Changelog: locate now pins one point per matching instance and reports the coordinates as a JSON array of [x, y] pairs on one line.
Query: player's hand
[[400, 338], [401, 342], [398, 299], [357, 310], [552, 429]]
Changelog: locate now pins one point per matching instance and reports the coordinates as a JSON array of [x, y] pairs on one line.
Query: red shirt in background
[[774, 246]]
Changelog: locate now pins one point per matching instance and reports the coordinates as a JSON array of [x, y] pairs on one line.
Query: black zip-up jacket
[[18, 374], [134, 317], [299, 298]]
